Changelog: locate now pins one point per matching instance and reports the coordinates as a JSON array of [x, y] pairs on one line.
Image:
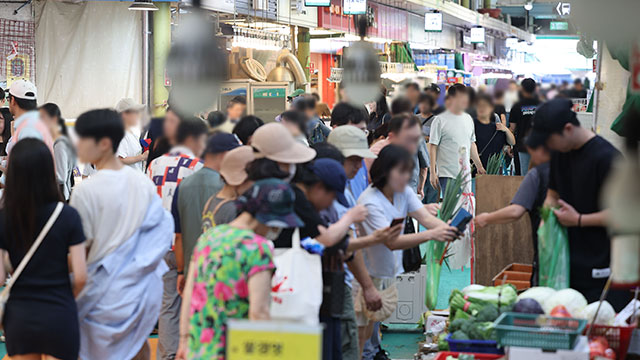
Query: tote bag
[[296, 286]]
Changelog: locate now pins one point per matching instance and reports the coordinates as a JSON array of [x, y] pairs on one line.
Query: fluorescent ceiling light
[[143, 5]]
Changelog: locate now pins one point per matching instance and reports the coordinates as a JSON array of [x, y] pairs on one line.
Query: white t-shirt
[[380, 261], [452, 132], [130, 146], [112, 205]]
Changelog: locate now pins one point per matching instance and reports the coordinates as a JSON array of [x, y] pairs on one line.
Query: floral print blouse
[[225, 258]]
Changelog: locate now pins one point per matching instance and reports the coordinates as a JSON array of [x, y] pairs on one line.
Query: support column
[[466, 3], [304, 50], [161, 47]]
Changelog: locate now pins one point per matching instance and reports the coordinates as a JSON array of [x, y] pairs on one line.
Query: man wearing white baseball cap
[[130, 150], [24, 108]]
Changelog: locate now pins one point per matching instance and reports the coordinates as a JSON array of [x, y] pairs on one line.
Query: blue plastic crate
[[474, 346]]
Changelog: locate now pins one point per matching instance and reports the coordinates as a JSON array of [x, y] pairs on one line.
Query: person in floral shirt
[[230, 262]]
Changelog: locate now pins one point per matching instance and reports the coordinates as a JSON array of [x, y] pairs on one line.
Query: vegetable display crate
[[443, 355], [474, 346], [538, 331], [618, 337]]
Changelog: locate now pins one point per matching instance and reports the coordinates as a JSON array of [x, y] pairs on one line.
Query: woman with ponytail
[[231, 267], [63, 151]]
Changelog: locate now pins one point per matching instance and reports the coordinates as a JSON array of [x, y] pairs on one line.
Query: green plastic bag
[[553, 252]]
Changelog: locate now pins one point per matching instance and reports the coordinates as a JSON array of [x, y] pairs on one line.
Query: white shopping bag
[[296, 286]]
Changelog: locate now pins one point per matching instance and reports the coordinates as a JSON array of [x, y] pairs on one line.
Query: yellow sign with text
[[270, 340]]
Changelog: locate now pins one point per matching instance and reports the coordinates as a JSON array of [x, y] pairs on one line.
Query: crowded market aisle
[[339, 181]]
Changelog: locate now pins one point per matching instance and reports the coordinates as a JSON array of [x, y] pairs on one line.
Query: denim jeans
[[525, 158]]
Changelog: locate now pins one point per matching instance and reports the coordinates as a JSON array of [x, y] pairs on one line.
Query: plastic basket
[[538, 331], [618, 337], [443, 355], [474, 346]]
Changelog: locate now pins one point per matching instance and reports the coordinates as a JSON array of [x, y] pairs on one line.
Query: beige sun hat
[[274, 142], [389, 303], [234, 164], [351, 141]]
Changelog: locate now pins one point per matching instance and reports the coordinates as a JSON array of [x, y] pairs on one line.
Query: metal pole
[[146, 99]]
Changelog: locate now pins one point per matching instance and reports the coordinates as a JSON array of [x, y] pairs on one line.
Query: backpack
[[318, 132]]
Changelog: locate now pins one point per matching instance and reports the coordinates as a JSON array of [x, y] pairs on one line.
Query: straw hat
[[389, 298]]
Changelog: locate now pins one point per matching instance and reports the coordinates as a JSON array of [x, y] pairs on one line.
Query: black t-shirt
[[309, 216], [578, 177], [522, 115], [500, 110], [46, 276], [487, 143]]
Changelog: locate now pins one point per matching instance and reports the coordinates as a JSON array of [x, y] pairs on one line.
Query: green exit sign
[[559, 26]]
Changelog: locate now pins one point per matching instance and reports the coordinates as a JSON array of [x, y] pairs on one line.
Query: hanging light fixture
[[528, 6], [143, 5]]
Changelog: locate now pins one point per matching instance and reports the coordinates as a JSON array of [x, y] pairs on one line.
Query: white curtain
[[89, 54]]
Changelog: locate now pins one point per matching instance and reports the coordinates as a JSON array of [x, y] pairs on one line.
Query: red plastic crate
[[618, 337], [443, 355]]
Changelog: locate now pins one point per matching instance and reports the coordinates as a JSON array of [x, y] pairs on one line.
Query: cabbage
[[606, 315], [538, 293], [472, 288], [507, 294], [571, 299]]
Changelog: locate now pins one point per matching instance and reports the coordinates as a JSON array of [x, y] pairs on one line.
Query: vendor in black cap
[[580, 165]]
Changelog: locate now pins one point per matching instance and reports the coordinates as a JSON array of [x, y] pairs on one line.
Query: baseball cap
[[234, 164], [332, 175], [274, 142], [23, 89], [271, 200], [351, 141], [128, 104], [296, 93], [550, 117], [221, 142]]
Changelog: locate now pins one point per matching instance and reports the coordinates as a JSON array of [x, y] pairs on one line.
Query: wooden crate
[[497, 246]]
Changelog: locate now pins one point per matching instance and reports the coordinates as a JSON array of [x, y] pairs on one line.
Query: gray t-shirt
[[379, 259], [451, 132], [223, 215], [421, 160]]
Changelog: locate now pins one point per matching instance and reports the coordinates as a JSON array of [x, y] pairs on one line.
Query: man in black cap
[[580, 165], [520, 119]]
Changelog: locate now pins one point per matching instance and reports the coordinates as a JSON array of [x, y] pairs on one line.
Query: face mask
[[272, 235], [292, 173]]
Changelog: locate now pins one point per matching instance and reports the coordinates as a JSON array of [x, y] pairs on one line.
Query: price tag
[[270, 340]]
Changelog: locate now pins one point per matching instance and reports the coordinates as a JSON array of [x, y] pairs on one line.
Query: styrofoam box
[[410, 297], [580, 352]]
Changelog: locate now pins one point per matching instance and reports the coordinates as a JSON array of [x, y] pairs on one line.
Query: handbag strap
[[295, 239], [34, 247]]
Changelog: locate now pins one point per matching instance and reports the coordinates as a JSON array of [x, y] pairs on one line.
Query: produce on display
[[553, 251], [599, 348], [436, 250], [539, 293], [571, 299], [560, 312], [506, 294], [606, 315], [528, 306], [461, 357]]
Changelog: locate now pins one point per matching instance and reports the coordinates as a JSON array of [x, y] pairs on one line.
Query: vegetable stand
[[443, 355], [618, 337], [538, 331]]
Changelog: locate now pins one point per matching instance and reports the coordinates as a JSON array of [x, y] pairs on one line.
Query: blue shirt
[[359, 182]]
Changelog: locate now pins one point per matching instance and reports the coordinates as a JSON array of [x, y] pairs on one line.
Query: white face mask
[[272, 235], [292, 173]]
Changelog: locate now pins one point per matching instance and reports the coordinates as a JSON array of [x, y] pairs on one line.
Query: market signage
[[226, 6], [355, 7], [477, 35], [433, 22], [563, 9], [272, 340], [317, 2], [559, 26]]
